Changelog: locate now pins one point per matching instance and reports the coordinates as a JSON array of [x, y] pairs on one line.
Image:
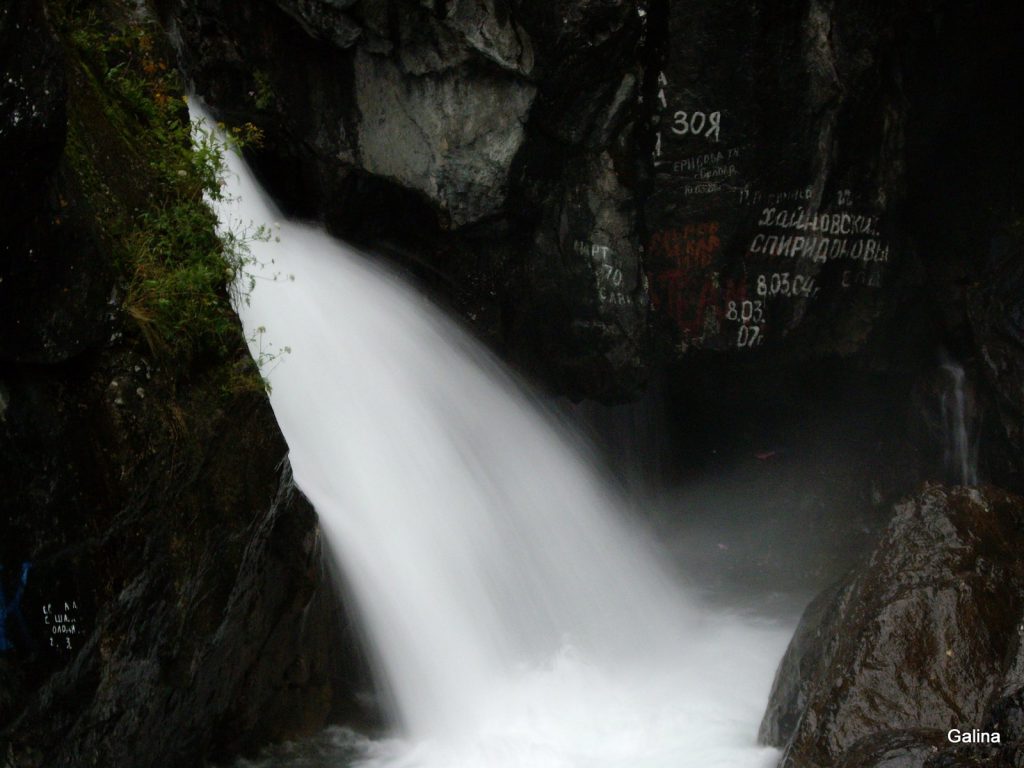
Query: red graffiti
[[692, 301], [684, 284], [735, 291], [688, 248], [673, 294]]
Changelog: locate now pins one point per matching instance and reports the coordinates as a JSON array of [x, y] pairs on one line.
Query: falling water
[[514, 617], [960, 454]]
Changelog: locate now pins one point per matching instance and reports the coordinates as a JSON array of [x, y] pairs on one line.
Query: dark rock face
[[52, 291], [202, 623], [606, 189], [32, 97], [1006, 714], [804, 657], [162, 584], [778, 160], [916, 639], [919, 749], [963, 206], [902, 749], [996, 312], [490, 145], [564, 165]]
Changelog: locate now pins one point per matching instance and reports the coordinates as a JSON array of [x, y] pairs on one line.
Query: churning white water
[[514, 616]]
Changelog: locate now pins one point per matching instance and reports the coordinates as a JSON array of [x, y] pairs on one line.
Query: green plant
[[185, 273], [262, 93], [180, 275]]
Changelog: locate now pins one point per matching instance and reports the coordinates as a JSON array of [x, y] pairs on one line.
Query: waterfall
[[960, 450], [514, 615]]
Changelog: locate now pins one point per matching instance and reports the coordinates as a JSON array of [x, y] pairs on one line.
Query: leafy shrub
[[178, 275]]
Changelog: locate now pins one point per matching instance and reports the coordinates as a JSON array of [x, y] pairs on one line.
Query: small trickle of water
[[515, 618], [960, 448]]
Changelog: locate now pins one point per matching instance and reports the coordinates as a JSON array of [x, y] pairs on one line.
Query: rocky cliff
[[161, 581], [760, 204], [920, 639], [604, 189]]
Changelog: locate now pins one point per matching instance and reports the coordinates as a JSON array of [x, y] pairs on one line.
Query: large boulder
[[916, 641], [898, 749]]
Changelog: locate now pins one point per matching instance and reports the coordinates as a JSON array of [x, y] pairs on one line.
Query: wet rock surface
[[753, 201], [183, 614], [920, 749], [489, 147], [996, 313], [162, 583], [778, 166], [906, 749], [603, 188], [917, 638], [971, 251]]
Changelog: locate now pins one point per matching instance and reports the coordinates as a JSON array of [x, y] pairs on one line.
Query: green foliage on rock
[[133, 155]]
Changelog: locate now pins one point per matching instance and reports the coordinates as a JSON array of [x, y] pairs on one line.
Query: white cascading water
[[960, 450], [514, 618]]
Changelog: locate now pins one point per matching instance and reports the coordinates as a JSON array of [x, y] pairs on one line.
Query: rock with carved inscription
[[917, 638]]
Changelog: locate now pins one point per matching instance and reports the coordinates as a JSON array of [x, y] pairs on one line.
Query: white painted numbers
[[745, 311], [612, 275], [749, 336], [750, 315], [608, 273], [781, 284]]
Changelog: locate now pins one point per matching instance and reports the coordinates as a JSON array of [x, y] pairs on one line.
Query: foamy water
[[514, 614]]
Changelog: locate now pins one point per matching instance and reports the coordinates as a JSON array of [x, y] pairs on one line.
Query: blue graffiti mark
[[11, 611]]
